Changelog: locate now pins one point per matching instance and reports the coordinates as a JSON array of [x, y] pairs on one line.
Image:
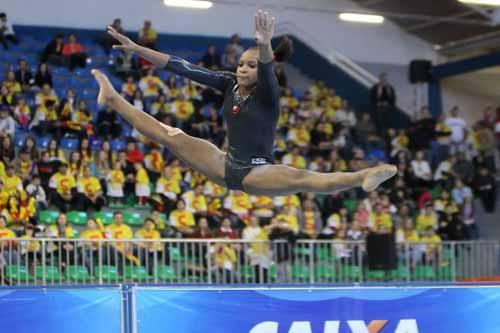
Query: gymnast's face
[[247, 68]]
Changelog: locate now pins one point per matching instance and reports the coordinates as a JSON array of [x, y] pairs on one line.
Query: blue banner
[[60, 311], [349, 310]]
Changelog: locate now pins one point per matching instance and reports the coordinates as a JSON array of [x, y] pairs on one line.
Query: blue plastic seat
[[69, 143], [43, 142]]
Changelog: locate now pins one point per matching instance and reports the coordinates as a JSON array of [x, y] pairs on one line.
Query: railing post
[[44, 254], [312, 271], [209, 263]]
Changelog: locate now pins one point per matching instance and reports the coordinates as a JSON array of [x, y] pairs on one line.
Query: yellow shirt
[[153, 234], [424, 222], [120, 232], [4, 198], [89, 186], [2, 170], [116, 178], [32, 245], [41, 98], [291, 200], [183, 109], [225, 256], [214, 189], [49, 114], [291, 220], [195, 203], [7, 233], [181, 219], [299, 136], [12, 184], [151, 85], [240, 204], [409, 236], [310, 222], [168, 185], [142, 177], [296, 161], [160, 108], [431, 239], [380, 221], [154, 162], [68, 231], [129, 89], [91, 234], [62, 183]]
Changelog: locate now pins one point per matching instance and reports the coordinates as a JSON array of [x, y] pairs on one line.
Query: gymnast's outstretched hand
[[264, 27], [126, 43]]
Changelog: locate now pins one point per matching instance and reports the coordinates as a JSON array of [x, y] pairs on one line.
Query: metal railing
[[42, 261]]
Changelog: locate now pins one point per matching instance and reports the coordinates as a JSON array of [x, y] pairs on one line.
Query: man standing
[[383, 98]]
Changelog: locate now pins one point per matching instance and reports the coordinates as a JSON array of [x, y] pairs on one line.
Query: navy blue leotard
[[250, 130]]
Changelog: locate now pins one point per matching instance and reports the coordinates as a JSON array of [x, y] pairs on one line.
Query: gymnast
[[250, 111]]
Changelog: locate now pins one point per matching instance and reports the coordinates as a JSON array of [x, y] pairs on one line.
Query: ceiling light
[[481, 2], [361, 18], [198, 4]]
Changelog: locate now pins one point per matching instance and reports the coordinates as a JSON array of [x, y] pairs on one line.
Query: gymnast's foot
[[107, 94], [375, 176]]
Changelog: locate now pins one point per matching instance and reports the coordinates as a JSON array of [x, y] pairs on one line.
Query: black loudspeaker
[[420, 71], [381, 250]]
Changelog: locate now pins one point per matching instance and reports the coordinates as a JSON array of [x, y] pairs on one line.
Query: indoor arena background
[[408, 83]]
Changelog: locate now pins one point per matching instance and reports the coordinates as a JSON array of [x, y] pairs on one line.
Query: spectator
[[90, 191], [226, 230], [43, 76], [53, 52], [129, 89], [74, 53], [196, 201], [115, 181], [182, 219], [7, 123], [383, 99], [459, 131], [427, 219], [22, 113], [35, 190], [107, 41], [7, 32], [45, 169], [148, 251], [310, 220], [421, 170], [63, 186], [460, 192], [450, 225], [211, 59], [12, 84], [151, 85], [142, 188], [202, 230], [168, 188], [380, 222], [24, 76], [468, 217], [234, 41], [148, 35], [229, 60], [108, 124], [485, 186]]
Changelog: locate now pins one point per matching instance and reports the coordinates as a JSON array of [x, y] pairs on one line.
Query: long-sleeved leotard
[[251, 131]]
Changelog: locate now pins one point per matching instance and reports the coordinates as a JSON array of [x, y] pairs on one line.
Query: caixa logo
[[334, 326]]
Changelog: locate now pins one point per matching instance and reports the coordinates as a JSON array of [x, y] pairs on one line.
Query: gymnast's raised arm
[[172, 63]]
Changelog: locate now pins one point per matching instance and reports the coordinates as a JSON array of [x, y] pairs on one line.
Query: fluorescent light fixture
[[362, 18], [197, 4], [481, 2]]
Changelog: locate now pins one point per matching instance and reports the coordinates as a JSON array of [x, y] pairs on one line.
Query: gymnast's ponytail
[[284, 50]]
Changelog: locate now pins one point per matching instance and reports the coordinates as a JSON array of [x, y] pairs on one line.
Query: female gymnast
[[250, 110]]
